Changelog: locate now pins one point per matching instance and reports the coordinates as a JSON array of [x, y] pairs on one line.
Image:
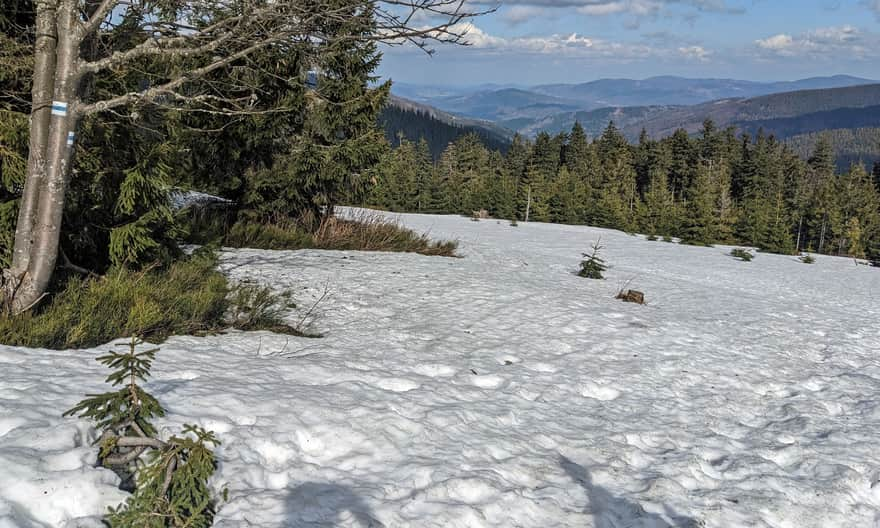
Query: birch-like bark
[[51, 178], [47, 228], [41, 103]]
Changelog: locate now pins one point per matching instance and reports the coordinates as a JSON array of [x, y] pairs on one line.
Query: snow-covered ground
[[501, 390]]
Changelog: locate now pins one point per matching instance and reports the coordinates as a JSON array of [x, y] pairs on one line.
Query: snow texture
[[501, 390], [182, 199]]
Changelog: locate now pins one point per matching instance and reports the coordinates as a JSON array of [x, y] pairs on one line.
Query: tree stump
[[633, 296]]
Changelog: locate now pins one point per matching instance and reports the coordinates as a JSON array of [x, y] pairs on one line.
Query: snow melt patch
[[500, 390]]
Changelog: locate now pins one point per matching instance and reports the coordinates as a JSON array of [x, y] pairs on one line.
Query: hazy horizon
[[529, 42]]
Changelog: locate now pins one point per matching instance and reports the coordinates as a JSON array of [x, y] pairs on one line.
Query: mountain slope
[[744, 113], [503, 104], [668, 90], [860, 145], [416, 121]]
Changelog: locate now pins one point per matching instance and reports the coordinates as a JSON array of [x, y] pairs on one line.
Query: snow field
[[501, 390]]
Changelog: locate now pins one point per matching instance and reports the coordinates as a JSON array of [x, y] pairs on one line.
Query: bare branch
[[94, 22]]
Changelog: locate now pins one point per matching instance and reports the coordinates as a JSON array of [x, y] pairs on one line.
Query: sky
[[528, 42]]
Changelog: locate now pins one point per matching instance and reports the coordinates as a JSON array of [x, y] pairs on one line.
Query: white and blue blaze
[[59, 108]]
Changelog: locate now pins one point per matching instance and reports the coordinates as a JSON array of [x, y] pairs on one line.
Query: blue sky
[[540, 41]]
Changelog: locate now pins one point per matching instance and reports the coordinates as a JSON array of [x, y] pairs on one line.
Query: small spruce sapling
[[807, 259], [592, 266], [741, 254], [171, 477]]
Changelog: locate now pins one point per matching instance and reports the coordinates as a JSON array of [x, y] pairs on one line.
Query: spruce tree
[[859, 211], [582, 163], [657, 214], [822, 218], [535, 185], [875, 172], [593, 266], [618, 200], [424, 174], [341, 139], [699, 225], [682, 162]]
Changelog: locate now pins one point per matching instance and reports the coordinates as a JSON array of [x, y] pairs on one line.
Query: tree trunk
[[39, 229], [41, 107]]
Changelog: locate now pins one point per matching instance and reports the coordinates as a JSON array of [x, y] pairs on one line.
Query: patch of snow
[[181, 199], [501, 390]]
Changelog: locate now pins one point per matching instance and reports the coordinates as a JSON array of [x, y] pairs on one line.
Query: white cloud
[[776, 42], [830, 42], [695, 53], [574, 45]]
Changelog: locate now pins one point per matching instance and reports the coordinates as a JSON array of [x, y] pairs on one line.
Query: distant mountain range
[[669, 90], [660, 105], [512, 104]]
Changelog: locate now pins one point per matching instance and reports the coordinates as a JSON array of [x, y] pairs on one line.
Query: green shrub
[[188, 297], [741, 254], [807, 259]]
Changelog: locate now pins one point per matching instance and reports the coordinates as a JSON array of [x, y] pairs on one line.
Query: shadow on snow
[[609, 511], [314, 504]]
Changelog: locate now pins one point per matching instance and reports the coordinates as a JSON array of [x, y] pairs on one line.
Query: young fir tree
[[171, 476], [593, 266]]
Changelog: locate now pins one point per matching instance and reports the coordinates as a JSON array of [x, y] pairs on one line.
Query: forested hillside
[[741, 112], [415, 124], [860, 145], [717, 187]]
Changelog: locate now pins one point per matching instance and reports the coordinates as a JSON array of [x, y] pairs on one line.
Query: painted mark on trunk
[[59, 108], [70, 136]]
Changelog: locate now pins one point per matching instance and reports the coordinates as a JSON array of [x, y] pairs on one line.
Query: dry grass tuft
[[365, 231]]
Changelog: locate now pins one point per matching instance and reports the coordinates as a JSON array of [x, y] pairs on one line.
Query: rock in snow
[[501, 390]]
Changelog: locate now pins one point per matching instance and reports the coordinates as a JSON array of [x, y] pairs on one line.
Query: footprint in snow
[[435, 370], [542, 367], [487, 381], [599, 392], [397, 384]]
